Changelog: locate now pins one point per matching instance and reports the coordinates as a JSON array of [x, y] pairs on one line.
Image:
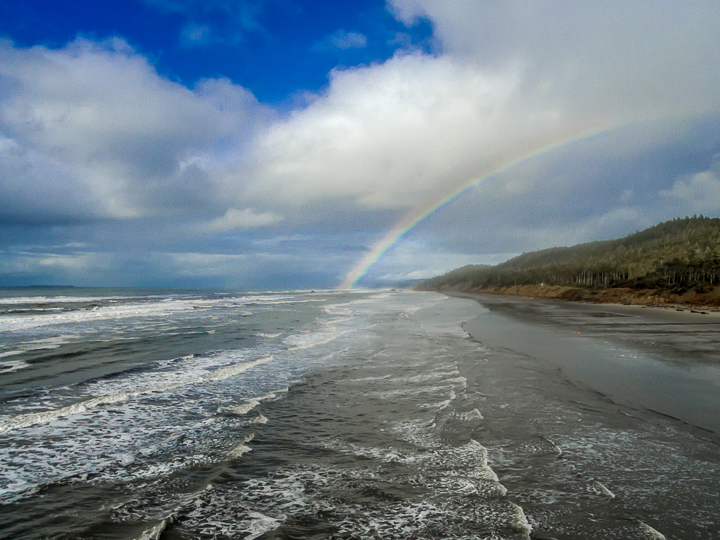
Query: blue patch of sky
[[275, 48]]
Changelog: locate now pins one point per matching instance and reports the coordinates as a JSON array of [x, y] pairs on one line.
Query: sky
[[277, 144]]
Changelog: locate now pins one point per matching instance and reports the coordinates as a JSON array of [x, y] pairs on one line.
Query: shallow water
[[664, 361], [325, 415]]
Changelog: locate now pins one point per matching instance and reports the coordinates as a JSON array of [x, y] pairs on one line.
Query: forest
[[678, 255]]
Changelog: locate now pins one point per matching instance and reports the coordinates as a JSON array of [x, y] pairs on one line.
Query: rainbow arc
[[363, 266]]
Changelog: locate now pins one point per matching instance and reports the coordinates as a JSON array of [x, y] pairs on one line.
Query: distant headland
[[675, 262]]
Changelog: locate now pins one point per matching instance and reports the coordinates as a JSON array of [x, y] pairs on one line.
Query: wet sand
[[655, 360]]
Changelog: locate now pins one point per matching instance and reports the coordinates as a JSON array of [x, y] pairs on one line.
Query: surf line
[[410, 221]]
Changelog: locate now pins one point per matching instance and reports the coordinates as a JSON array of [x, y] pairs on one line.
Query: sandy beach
[[653, 359]]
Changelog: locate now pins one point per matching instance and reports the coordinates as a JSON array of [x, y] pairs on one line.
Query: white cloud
[[393, 135], [386, 137], [196, 34], [244, 219], [122, 134], [216, 21], [348, 40], [275, 241], [398, 135], [697, 193], [633, 58], [341, 40]]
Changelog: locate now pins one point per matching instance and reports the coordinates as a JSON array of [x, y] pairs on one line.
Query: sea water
[[131, 414]]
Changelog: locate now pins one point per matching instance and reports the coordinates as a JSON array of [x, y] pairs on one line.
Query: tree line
[[676, 254]]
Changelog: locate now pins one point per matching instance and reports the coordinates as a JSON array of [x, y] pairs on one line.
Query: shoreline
[[692, 302], [654, 361]]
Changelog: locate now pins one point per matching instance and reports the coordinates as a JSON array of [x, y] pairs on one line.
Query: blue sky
[[274, 48], [274, 143]]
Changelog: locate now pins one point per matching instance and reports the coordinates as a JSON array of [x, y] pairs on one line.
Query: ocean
[[154, 414]]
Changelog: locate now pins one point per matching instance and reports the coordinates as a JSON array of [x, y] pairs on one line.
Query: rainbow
[[410, 221]]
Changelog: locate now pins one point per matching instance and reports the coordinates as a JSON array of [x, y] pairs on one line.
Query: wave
[[223, 373], [602, 490], [242, 410], [155, 532], [14, 323], [99, 309], [31, 419], [241, 449], [313, 339], [12, 365], [60, 299], [649, 532]]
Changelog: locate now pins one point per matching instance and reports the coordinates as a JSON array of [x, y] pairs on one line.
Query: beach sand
[[648, 358]]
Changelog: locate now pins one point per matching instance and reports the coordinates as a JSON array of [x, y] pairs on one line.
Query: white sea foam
[[40, 344], [649, 532], [473, 415], [602, 489], [250, 404], [426, 376], [274, 300], [26, 420], [118, 311], [241, 448], [12, 365], [313, 339], [447, 390], [153, 533], [337, 309], [520, 521], [225, 372], [460, 381], [466, 468], [554, 446], [57, 299], [241, 410], [165, 363], [219, 374], [145, 424], [417, 432], [482, 470], [260, 524], [448, 501]]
